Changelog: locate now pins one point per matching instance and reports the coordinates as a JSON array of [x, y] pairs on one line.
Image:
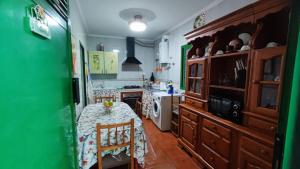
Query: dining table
[[94, 114]]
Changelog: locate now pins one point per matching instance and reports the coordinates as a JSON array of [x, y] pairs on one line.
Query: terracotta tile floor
[[163, 152]]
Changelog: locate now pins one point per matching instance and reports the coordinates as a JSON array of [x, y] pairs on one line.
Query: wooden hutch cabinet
[[234, 75]]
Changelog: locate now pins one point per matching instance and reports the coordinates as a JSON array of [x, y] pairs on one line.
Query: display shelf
[[234, 54], [227, 88]]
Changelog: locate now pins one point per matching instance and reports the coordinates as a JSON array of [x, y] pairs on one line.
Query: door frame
[[83, 73]]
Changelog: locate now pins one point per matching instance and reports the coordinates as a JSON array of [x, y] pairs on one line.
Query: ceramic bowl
[[272, 44], [245, 37], [220, 52], [235, 44], [245, 47]]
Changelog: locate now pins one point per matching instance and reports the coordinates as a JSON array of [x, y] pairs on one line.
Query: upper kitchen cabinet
[[96, 62], [111, 63], [103, 62]]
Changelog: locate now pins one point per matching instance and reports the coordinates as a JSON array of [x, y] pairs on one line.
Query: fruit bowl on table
[[107, 105]]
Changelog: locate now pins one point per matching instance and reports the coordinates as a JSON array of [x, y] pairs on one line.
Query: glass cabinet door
[[193, 68], [196, 78], [266, 81]]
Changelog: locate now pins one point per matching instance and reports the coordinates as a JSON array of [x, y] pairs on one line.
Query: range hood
[[131, 59]]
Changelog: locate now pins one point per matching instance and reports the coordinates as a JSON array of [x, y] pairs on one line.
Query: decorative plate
[[200, 20]]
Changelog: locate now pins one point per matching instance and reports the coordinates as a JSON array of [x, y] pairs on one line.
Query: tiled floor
[[163, 152]]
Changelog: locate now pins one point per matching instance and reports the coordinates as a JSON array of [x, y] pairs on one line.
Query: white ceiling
[[101, 17]]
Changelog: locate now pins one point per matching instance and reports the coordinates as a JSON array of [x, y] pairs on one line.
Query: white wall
[[79, 33], [143, 54], [176, 37]]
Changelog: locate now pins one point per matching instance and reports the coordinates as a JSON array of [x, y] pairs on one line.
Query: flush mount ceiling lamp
[[137, 18], [137, 24]]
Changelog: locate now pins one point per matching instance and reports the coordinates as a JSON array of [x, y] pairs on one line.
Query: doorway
[[83, 75]]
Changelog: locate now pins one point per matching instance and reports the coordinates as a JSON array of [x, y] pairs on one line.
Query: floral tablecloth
[[86, 132]]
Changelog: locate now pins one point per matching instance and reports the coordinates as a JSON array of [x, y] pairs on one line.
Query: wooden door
[[111, 63], [188, 132], [96, 62], [266, 81]]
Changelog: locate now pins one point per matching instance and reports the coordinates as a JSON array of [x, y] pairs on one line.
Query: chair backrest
[[120, 140], [100, 99], [139, 108]]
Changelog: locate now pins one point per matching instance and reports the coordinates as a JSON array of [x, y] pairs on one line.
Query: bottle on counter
[[152, 79]]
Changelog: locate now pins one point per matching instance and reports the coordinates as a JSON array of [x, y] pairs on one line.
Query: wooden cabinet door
[[249, 161], [196, 77], [188, 132], [96, 62], [111, 63], [266, 81]]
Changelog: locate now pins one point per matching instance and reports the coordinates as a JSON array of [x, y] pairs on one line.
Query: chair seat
[[115, 161]]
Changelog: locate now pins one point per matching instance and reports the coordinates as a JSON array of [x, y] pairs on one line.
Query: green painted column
[[291, 158], [36, 111], [290, 118]]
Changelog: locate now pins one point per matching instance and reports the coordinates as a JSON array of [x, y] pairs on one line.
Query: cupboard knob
[[272, 128], [211, 159], [255, 81]]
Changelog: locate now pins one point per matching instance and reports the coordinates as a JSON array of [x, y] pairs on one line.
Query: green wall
[[292, 143], [36, 109], [290, 119]]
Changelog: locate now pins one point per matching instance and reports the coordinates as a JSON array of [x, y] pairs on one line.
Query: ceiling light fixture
[[137, 24]]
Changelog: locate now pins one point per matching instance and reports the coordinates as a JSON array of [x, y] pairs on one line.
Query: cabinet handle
[[211, 158], [255, 81], [272, 128]]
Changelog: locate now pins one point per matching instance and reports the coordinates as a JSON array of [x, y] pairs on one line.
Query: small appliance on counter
[[170, 88], [226, 108], [163, 86]]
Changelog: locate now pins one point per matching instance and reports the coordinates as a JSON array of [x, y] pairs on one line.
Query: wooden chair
[[100, 99], [109, 146], [139, 108]]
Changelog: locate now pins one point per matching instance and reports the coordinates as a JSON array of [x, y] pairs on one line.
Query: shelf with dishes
[[227, 88]]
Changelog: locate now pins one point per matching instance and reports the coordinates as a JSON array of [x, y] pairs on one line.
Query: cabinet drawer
[[194, 103], [216, 143], [212, 158], [257, 149], [189, 115], [220, 130], [261, 125]]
